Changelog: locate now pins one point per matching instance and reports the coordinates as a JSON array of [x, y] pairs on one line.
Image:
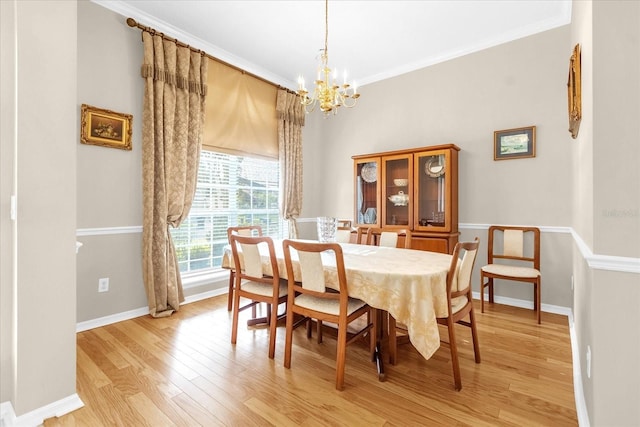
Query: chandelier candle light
[[328, 93]]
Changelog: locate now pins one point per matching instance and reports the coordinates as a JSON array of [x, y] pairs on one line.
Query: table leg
[[265, 319], [380, 321]]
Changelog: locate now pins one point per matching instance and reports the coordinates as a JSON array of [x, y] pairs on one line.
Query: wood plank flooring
[[183, 371]]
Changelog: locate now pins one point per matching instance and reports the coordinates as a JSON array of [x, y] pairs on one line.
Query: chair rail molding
[[108, 230], [595, 261]]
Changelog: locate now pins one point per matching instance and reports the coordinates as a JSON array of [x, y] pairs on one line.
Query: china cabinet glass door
[[397, 188], [432, 191], [367, 192]]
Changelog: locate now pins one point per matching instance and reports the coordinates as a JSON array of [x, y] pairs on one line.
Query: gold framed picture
[[574, 91], [105, 127], [514, 143]]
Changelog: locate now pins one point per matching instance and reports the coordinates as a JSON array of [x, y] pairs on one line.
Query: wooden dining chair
[[344, 223], [310, 297], [343, 234], [388, 237], [361, 235], [459, 306], [517, 252], [253, 285], [243, 230]]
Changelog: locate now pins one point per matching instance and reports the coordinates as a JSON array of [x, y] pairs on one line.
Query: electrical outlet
[[588, 362], [103, 284]]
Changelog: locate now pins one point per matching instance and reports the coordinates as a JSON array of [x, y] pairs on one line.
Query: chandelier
[[328, 94]]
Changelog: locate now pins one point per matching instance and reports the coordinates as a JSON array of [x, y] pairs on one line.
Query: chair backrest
[[244, 230], [310, 277], [344, 223], [460, 269], [388, 237], [514, 243], [343, 234], [246, 254]]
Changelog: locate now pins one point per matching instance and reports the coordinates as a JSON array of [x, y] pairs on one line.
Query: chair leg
[[538, 288], [490, 283], [230, 297], [268, 316], [341, 355], [474, 335], [482, 285], [319, 330], [288, 337], [234, 325], [273, 323], [454, 355], [393, 340]]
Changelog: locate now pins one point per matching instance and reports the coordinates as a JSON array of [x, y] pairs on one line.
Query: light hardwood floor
[[183, 371]]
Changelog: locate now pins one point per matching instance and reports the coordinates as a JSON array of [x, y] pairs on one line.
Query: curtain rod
[[132, 23]]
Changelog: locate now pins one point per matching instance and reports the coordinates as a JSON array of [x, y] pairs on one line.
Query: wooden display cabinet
[[413, 188]]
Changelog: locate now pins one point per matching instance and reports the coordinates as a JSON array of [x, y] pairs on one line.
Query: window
[[231, 190]]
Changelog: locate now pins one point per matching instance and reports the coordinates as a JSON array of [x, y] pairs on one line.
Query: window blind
[[231, 191], [240, 113]]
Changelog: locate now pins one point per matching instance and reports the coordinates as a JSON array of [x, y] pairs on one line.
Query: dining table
[[409, 284]]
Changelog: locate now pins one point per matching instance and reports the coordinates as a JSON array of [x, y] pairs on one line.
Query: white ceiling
[[374, 40]]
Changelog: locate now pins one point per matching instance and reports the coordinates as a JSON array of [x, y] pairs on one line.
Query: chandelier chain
[[326, 26]]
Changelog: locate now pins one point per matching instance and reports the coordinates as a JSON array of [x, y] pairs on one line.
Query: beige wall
[[616, 127], [463, 101], [7, 150], [607, 209], [39, 364], [109, 180]]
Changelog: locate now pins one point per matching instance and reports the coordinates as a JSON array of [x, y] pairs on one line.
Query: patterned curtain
[[290, 113], [173, 119]]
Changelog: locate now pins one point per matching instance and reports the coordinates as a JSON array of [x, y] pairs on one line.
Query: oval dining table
[[409, 284]]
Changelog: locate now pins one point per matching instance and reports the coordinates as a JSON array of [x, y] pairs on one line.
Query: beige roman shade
[[240, 113]]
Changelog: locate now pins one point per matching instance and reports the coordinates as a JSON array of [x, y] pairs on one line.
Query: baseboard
[[36, 417], [142, 311], [547, 308], [113, 318], [578, 390], [7, 414]]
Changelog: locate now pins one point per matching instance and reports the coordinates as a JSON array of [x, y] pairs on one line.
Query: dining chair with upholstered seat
[[253, 285], [388, 237], [310, 297], [344, 223], [361, 235], [459, 306], [242, 230], [343, 234], [517, 252]]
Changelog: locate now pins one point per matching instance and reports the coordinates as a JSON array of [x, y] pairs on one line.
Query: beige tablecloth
[[409, 284]]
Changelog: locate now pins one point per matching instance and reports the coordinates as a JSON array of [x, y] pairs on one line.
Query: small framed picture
[[514, 143], [105, 127]]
